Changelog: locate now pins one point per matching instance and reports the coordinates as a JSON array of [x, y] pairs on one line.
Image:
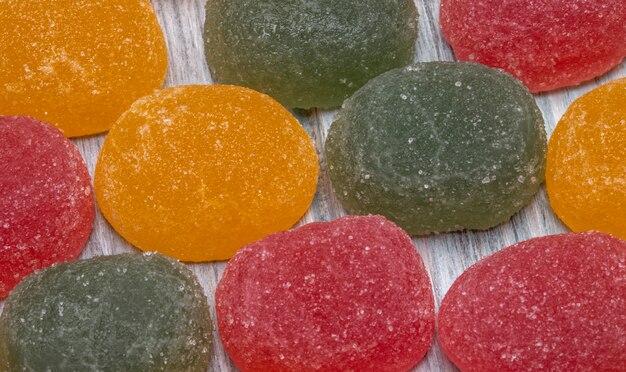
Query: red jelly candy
[[556, 303], [351, 294], [46, 201], [547, 44]]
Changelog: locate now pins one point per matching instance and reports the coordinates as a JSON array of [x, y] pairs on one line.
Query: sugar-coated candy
[[555, 303], [78, 64], [196, 172], [46, 201], [547, 44], [347, 295], [438, 147], [308, 53], [131, 312], [586, 167]]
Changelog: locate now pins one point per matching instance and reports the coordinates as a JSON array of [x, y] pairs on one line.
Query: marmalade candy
[[78, 64], [438, 147], [586, 173], [347, 295], [130, 312], [46, 200], [196, 172], [547, 44], [308, 53], [555, 303]]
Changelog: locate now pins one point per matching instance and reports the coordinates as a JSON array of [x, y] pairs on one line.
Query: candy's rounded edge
[[204, 313], [551, 166], [203, 310], [582, 81], [183, 270], [163, 51], [350, 104], [92, 202], [445, 302], [98, 178], [531, 87], [430, 321], [73, 152]]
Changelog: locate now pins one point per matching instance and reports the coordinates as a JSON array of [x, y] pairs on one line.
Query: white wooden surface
[[445, 256]]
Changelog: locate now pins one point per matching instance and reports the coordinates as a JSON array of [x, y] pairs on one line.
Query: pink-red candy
[[352, 295], [46, 200], [556, 303], [547, 44]]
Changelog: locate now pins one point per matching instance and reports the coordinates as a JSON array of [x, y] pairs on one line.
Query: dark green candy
[[308, 53], [132, 312], [438, 147]]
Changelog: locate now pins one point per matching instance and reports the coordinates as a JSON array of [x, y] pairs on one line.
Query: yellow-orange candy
[[78, 64], [196, 172], [586, 170]]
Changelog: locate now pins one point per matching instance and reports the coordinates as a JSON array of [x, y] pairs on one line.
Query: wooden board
[[446, 256]]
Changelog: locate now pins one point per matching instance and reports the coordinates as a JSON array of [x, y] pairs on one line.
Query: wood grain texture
[[446, 256]]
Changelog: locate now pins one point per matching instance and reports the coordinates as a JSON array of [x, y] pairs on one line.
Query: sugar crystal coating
[[438, 147], [352, 294], [46, 201], [78, 64], [555, 303], [547, 44], [131, 312], [308, 53], [196, 172], [586, 168]]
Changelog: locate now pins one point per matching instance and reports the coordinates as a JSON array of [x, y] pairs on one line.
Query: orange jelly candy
[[586, 170], [196, 172], [78, 64]]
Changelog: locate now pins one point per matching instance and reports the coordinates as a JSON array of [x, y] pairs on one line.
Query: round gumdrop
[[308, 53], [438, 147], [196, 172], [46, 201], [586, 171], [78, 64], [131, 312], [347, 295], [547, 44], [547, 304]]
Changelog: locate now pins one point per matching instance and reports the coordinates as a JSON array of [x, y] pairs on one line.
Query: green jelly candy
[[131, 312], [312, 53], [438, 147]]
